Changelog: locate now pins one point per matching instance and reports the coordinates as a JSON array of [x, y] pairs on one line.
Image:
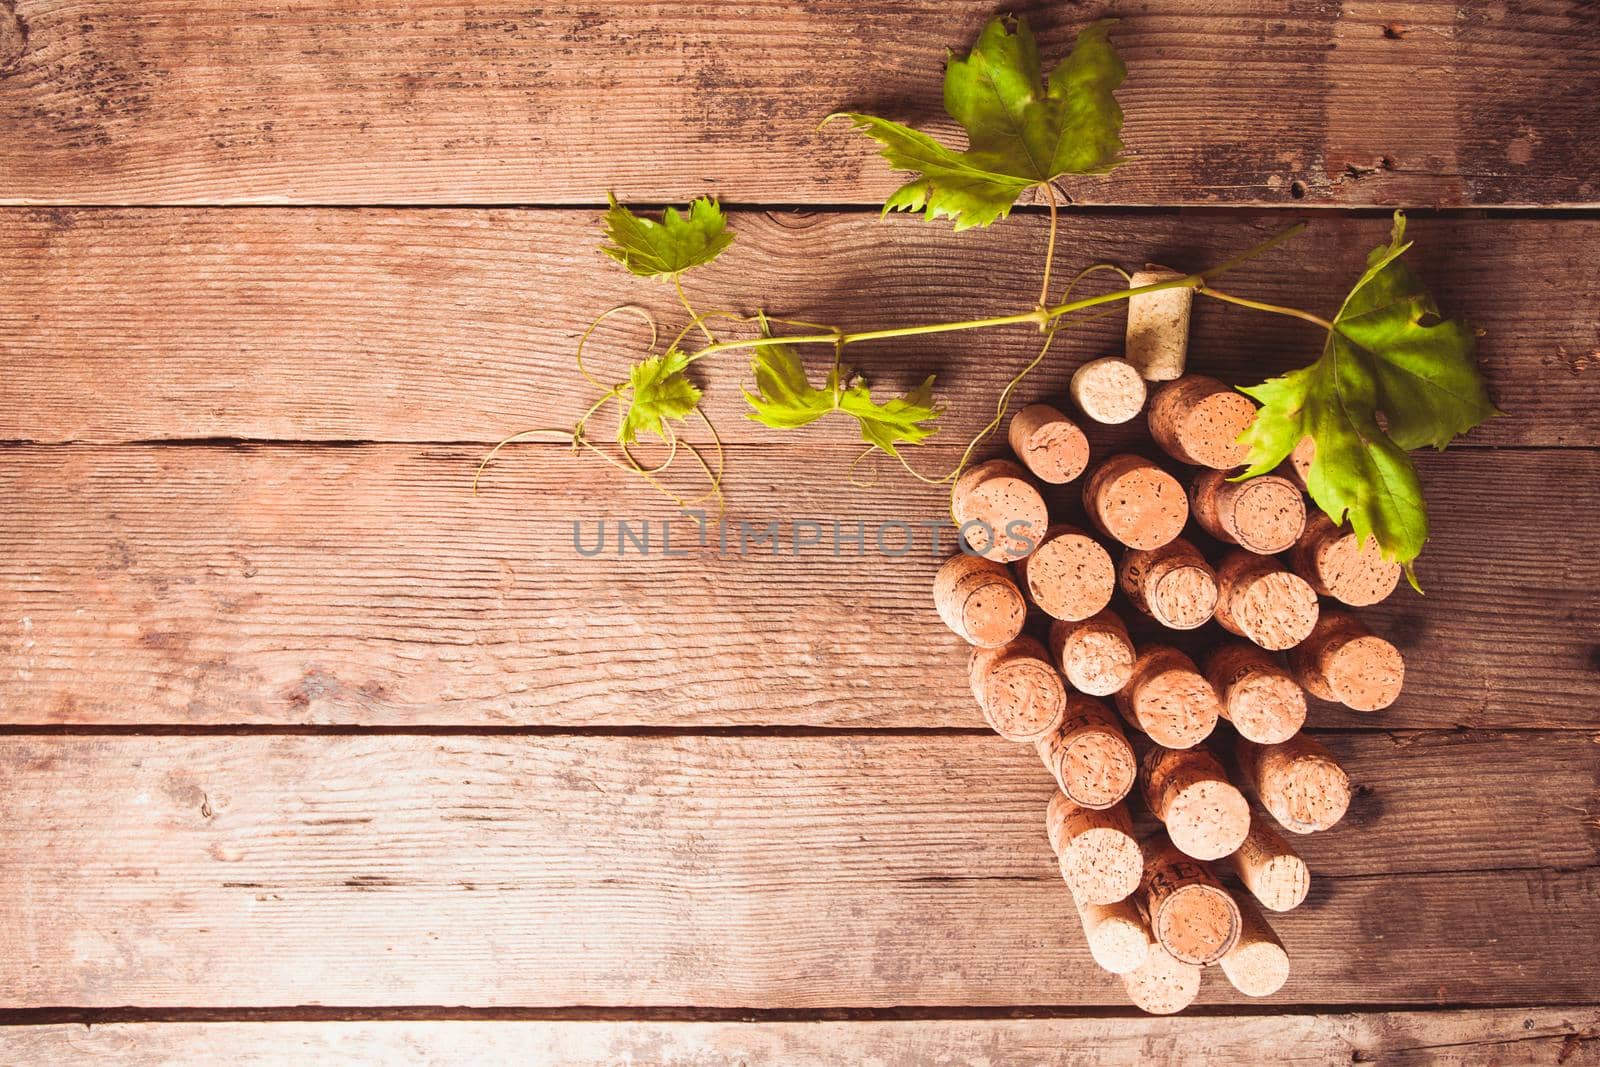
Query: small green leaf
[[663, 249], [785, 399], [1389, 353], [894, 422], [660, 390], [1022, 130]]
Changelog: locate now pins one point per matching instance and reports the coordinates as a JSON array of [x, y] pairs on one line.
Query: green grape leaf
[[667, 248], [660, 390], [785, 399], [1022, 130], [1390, 355]]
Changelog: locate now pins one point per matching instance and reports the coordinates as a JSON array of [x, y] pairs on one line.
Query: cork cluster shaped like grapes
[[1160, 636]]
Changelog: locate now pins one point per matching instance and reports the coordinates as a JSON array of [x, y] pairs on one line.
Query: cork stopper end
[[1198, 923], [1207, 819], [1136, 502], [1365, 673], [1098, 769], [1049, 444], [1108, 390], [1257, 968], [1097, 661], [1162, 985]]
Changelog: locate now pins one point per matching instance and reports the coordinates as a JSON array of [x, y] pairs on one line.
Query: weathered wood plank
[[461, 325], [305, 584], [710, 871], [1505, 1035], [331, 101]]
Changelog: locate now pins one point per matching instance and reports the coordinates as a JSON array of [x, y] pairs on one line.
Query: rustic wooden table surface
[[307, 752]]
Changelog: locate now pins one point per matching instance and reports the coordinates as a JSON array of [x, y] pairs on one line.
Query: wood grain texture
[[365, 585], [334, 101], [461, 325], [1448, 1038], [712, 871]]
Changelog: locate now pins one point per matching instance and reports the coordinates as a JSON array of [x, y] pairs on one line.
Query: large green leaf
[[1022, 129], [1390, 354]]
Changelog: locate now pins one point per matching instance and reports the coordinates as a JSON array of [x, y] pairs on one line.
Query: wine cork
[[1069, 576], [1260, 601], [1198, 420], [1264, 515], [1089, 755], [1205, 815], [1298, 782], [1297, 468], [1191, 915], [1108, 390], [1162, 985], [1136, 502], [1001, 515], [1172, 584], [1049, 444], [1019, 691], [1096, 654], [1337, 564], [1158, 325], [1272, 870], [1167, 699], [1261, 699], [977, 599], [1100, 858], [1343, 660], [1118, 938], [1257, 965]]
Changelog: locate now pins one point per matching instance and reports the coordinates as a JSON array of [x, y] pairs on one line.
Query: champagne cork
[[1205, 815], [1257, 965], [1264, 515], [1343, 660], [1260, 601], [1136, 502], [1089, 755], [1261, 699], [1168, 700], [1070, 576], [977, 599], [1100, 858], [1173, 584], [1001, 515], [1339, 565], [1019, 691], [1191, 915], [1108, 390], [1158, 325], [1118, 938], [1162, 985], [1096, 654], [1272, 870], [1049, 444], [1198, 420], [1298, 782]]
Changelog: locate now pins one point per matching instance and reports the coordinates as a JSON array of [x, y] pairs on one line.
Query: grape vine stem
[[1039, 316]]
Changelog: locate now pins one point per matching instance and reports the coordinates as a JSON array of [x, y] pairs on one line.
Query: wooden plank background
[[461, 325], [308, 754], [1534, 1035], [367, 586], [384, 101], [759, 872]]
